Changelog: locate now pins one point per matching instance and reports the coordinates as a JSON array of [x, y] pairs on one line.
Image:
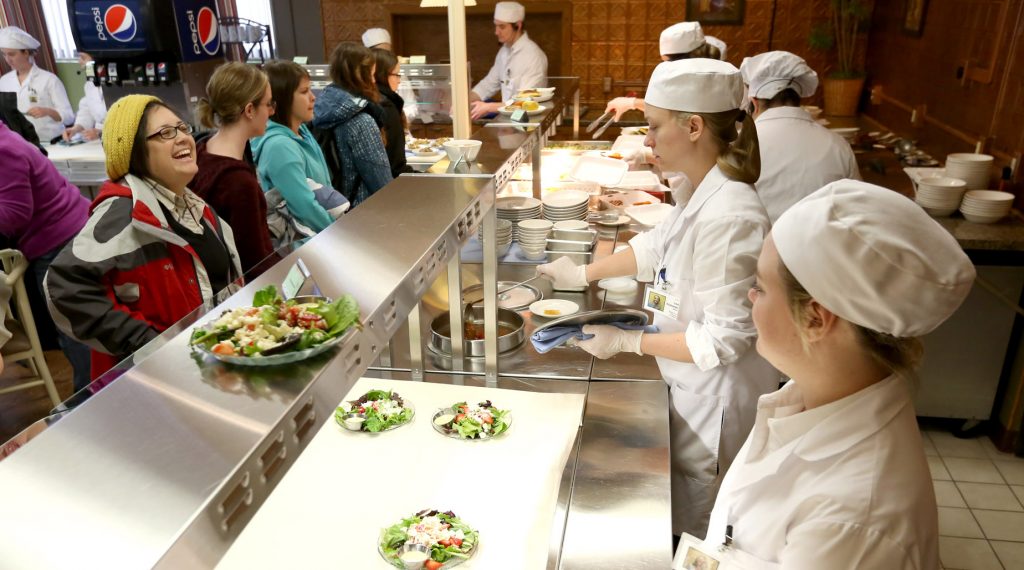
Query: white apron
[[707, 253]]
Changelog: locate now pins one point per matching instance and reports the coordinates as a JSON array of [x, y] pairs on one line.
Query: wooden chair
[[24, 343]]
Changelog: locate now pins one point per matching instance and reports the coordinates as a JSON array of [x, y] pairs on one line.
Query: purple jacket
[[39, 208]]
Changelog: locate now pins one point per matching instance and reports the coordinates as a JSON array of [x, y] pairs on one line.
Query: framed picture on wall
[[913, 16], [721, 12]]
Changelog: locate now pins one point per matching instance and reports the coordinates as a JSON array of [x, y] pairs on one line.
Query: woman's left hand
[[609, 341]]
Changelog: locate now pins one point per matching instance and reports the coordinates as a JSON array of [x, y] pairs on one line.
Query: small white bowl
[[535, 225], [571, 225], [462, 147]]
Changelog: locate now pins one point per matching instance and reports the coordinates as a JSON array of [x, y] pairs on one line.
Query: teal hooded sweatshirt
[[284, 161]]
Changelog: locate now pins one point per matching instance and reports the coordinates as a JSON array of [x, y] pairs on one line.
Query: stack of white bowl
[[533, 238], [986, 206], [566, 205], [974, 169], [502, 236], [940, 195], [516, 208]]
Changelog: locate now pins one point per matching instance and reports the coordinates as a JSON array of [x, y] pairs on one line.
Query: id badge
[[660, 301], [33, 99]]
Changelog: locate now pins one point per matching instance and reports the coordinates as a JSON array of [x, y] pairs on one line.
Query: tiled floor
[[980, 493]]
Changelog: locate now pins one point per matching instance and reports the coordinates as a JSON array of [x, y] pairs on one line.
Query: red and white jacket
[[126, 277]]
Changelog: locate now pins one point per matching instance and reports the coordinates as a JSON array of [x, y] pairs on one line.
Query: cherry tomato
[[460, 417], [432, 565], [487, 418], [224, 348], [445, 542], [456, 541]]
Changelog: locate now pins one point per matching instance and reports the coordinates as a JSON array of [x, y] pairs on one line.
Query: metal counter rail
[[166, 465]]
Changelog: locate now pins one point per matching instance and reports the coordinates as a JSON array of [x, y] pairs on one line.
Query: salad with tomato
[[449, 540], [465, 421], [274, 326], [374, 411]]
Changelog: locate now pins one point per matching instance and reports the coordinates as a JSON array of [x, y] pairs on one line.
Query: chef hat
[[718, 44], [683, 37], [696, 86], [769, 73], [510, 12], [874, 258], [376, 36], [13, 37]]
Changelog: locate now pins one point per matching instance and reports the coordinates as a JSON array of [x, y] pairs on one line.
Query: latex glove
[[91, 134], [563, 273], [609, 341], [639, 158], [480, 109], [620, 105]]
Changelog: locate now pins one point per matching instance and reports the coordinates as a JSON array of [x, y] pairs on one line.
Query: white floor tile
[[1019, 491], [1012, 470], [967, 554], [1011, 554], [988, 496], [938, 469], [958, 522], [972, 470], [1000, 525], [929, 447], [947, 495], [950, 446], [992, 451]]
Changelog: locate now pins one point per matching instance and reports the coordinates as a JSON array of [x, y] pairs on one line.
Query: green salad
[[466, 421], [374, 411], [447, 538], [275, 326]]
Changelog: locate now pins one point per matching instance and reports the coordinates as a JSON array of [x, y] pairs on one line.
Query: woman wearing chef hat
[[798, 155], [41, 95], [520, 63], [834, 474], [701, 260]]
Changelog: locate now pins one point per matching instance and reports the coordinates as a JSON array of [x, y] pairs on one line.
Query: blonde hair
[[900, 355], [232, 86], [739, 155]]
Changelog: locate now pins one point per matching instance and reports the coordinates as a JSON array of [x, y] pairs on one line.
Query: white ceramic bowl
[[535, 225], [571, 225], [462, 147], [978, 219]]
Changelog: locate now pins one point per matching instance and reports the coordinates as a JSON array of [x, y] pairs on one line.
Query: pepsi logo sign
[[205, 31], [120, 23]]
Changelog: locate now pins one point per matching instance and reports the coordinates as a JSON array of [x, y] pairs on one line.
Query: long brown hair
[[739, 154], [284, 77], [351, 68], [230, 89]]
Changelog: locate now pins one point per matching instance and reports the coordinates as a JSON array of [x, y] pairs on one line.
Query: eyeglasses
[[399, 75], [169, 133]]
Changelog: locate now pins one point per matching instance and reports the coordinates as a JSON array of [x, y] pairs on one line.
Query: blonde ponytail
[[739, 155], [205, 114], [231, 87]]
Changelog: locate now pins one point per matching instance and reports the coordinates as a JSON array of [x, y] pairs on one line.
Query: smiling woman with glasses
[[151, 251]]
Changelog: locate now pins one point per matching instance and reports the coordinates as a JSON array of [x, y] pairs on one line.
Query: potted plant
[[842, 87]]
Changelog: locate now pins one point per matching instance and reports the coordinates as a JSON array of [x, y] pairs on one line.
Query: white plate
[[509, 110], [604, 171], [617, 284], [564, 308], [542, 97], [649, 214], [618, 222]]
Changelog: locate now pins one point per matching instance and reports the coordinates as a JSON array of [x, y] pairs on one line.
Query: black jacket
[[392, 104]]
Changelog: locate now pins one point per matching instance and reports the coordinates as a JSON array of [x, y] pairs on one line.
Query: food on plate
[[552, 312], [374, 411], [527, 93], [441, 141], [643, 203], [274, 326], [447, 539], [530, 105], [515, 105], [615, 202], [464, 421], [615, 155]]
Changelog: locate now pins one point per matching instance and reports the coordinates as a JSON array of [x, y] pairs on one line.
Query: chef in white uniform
[[377, 38], [834, 474], [700, 262], [92, 109], [798, 155], [520, 63], [41, 95], [717, 44]]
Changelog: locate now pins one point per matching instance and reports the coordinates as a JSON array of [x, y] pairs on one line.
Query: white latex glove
[[609, 341], [563, 273], [639, 157], [621, 105]]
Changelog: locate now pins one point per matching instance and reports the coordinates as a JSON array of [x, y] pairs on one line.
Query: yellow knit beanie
[[119, 130]]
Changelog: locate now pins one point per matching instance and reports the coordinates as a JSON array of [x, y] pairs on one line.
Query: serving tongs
[[597, 122]]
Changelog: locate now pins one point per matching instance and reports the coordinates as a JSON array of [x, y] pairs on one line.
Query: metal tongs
[[603, 128]]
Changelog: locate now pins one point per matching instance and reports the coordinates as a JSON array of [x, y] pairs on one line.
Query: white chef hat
[[718, 44], [13, 37], [874, 258], [695, 85], [510, 12], [769, 73], [376, 36], [683, 37]]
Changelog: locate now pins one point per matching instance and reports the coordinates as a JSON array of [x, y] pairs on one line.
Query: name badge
[[660, 301], [33, 99]]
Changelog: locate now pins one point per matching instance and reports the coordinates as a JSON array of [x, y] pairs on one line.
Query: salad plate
[[273, 331], [437, 540], [477, 422], [374, 412]]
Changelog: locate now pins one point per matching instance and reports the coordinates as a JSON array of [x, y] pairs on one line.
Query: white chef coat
[[708, 248], [845, 485], [40, 89], [92, 109], [798, 156], [515, 68]]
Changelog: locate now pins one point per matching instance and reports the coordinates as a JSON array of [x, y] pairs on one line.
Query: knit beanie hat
[[119, 130]]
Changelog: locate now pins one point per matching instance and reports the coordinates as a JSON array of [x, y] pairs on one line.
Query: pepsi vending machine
[[137, 50]]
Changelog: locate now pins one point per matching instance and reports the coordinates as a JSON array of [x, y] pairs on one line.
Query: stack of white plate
[[566, 205], [533, 237], [940, 195], [974, 169], [986, 206], [502, 236], [515, 208]]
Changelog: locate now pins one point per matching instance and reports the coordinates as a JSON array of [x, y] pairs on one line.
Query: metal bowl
[[515, 299], [441, 341]]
